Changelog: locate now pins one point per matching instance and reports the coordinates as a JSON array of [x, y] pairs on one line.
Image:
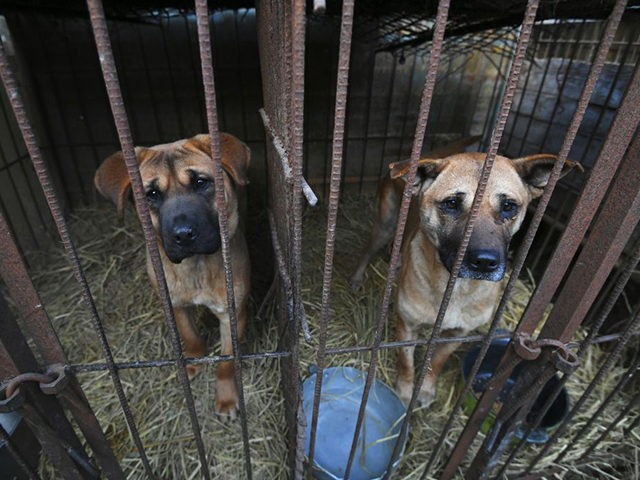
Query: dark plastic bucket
[[557, 412]]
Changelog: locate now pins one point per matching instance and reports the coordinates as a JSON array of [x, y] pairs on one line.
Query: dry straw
[[112, 254]]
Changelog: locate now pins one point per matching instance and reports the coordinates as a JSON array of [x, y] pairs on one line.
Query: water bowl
[[340, 399]]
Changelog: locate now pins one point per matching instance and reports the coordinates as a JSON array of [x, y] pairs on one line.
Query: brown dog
[[178, 180], [442, 197]]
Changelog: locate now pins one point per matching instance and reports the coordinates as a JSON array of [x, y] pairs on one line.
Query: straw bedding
[[112, 255]]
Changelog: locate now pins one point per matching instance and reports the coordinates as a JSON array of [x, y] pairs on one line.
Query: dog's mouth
[[177, 253]]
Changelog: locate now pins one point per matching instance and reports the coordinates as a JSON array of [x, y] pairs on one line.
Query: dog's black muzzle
[[486, 256], [188, 227], [483, 264], [478, 264]]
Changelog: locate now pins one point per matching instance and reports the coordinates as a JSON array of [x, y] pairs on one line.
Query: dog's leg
[[226, 403], [404, 382], [384, 226], [406, 373], [441, 354], [194, 346]]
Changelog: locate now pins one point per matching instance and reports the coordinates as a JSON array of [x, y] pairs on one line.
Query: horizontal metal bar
[[214, 359], [171, 362]]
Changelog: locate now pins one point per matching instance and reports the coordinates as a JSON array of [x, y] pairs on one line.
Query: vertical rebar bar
[[44, 177], [342, 84], [296, 135], [475, 420], [206, 59], [110, 74], [615, 294], [423, 115]]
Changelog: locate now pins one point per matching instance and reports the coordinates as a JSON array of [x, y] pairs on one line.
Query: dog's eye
[[153, 195], [451, 205], [201, 183], [508, 209]]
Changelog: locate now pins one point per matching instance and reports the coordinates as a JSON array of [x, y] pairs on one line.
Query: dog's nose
[[485, 261], [184, 235]]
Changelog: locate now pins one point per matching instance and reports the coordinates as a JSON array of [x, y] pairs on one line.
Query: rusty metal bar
[[16, 455], [206, 60], [107, 63], [604, 369], [590, 340], [58, 450], [214, 359], [208, 360], [295, 38], [425, 104], [16, 357], [497, 134], [342, 83], [37, 323], [94, 432], [273, 21], [622, 130], [484, 404], [633, 369], [596, 260], [621, 416], [605, 243]]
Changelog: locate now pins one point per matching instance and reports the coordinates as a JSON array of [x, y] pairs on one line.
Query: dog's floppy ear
[[236, 155], [535, 170], [428, 169], [112, 178]]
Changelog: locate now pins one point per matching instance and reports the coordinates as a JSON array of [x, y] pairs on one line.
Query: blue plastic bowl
[[339, 404], [554, 416]]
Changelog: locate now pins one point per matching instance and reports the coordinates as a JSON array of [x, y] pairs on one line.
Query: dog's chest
[[196, 281], [421, 288]]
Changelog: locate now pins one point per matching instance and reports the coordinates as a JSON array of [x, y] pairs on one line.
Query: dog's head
[[178, 181], [445, 189]]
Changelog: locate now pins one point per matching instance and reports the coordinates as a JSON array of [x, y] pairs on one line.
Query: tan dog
[[178, 180], [442, 197]]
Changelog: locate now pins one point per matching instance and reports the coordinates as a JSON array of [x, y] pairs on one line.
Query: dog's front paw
[[355, 282], [404, 389], [425, 397], [226, 404]]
